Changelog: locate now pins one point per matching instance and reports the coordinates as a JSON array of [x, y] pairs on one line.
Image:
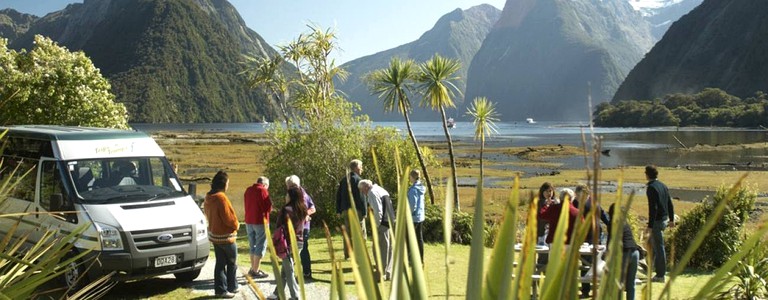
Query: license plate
[[167, 260]]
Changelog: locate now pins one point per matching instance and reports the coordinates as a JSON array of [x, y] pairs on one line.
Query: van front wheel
[[187, 276], [74, 277]]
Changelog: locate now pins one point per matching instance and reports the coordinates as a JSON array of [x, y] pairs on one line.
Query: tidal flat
[[198, 155]]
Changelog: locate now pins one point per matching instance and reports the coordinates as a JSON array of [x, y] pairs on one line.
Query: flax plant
[[509, 272], [25, 267]]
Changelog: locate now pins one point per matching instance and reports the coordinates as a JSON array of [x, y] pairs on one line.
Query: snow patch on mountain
[[652, 4]]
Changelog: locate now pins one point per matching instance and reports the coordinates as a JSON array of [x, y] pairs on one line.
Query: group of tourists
[[661, 215], [364, 195], [353, 191], [223, 226]]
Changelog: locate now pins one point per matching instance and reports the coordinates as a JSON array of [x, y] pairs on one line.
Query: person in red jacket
[[550, 212], [257, 208], [222, 231]]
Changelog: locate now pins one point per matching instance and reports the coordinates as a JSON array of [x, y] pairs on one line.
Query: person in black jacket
[[630, 255], [661, 214], [343, 202]]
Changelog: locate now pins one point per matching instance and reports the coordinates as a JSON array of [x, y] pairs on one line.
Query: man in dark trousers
[[343, 202], [661, 214]]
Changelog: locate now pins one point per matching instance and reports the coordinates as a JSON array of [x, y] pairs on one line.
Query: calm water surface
[[628, 146]]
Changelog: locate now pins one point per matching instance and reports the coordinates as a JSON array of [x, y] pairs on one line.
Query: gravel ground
[[204, 284]]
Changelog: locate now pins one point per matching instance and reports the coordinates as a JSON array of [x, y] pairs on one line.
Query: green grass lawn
[[685, 286]]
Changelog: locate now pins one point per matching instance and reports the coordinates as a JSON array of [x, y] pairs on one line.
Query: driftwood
[[679, 142]]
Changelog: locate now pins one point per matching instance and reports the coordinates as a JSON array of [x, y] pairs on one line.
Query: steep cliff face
[[721, 44], [13, 23], [542, 56], [168, 61], [662, 13], [457, 34]]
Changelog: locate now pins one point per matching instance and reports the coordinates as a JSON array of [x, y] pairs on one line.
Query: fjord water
[[628, 146]]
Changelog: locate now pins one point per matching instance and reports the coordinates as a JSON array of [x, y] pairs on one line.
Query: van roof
[[74, 143], [52, 132]]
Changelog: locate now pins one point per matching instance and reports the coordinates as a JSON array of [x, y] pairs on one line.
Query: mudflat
[[198, 155]]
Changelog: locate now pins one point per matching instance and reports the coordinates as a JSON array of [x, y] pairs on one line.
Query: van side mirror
[[192, 191], [56, 202]]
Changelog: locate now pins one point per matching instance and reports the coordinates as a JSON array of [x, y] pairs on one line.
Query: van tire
[[187, 276], [74, 277]]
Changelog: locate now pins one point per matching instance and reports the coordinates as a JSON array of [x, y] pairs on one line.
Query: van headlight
[[202, 230], [110, 238]]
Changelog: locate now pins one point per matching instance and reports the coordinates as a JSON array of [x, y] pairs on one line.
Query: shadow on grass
[[153, 287]]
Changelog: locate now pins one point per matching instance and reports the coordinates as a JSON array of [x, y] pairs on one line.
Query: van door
[[20, 174], [55, 195]]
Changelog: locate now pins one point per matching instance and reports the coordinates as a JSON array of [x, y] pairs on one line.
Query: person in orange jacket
[[222, 231]]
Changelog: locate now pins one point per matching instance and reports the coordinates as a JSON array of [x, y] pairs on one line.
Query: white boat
[[530, 121], [450, 123]]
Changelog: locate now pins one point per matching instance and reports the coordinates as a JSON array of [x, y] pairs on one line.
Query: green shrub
[[433, 226], [724, 239], [387, 141]]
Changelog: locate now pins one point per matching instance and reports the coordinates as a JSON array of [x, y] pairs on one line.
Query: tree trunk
[[421, 159], [482, 147], [453, 161], [283, 107]]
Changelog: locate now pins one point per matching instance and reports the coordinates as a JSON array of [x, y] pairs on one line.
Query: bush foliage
[[725, 239], [51, 85], [324, 134], [462, 226], [710, 107]]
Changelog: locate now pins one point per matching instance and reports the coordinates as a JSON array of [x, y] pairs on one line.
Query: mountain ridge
[[540, 58], [457, 34], [167, 61], [720, 44]]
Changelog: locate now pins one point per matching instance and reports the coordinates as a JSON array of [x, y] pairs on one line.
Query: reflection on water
[[628, 146]]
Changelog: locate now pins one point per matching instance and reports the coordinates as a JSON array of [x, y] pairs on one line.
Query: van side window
[[28, 148], [53, 197], [22, 177]]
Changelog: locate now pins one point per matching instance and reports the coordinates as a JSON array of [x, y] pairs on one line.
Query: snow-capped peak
[[652, 4]]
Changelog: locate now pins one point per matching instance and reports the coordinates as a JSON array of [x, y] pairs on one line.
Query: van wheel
[[74, 276], [187, 276]]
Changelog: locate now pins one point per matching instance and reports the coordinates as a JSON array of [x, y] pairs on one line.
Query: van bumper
[[134, 266]]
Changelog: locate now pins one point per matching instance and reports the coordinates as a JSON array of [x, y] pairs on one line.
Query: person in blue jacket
[[416, 201]]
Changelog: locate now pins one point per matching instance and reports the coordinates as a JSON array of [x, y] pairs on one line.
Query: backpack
[[280, 242]]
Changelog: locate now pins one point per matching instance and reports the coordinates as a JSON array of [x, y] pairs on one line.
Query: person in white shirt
[[379, 201]]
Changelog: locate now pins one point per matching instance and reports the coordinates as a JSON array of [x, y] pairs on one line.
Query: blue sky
[[363, 27]]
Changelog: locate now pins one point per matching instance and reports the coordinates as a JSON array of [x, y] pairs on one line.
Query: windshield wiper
[[159, 196]]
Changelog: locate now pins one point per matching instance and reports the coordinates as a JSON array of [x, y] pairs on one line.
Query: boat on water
[[450, 123], [530, 121]]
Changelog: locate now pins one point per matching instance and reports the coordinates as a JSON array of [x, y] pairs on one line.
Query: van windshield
[[118, 180]]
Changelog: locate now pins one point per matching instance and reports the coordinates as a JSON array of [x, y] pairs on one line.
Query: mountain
[[167, 61], [457, 34], [13, 23], [720, 44], [662, 13], [541, 57]]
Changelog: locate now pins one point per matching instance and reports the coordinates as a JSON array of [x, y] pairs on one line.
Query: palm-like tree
[[392, 85], [436, 84], [483, 113], [265, 72]]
